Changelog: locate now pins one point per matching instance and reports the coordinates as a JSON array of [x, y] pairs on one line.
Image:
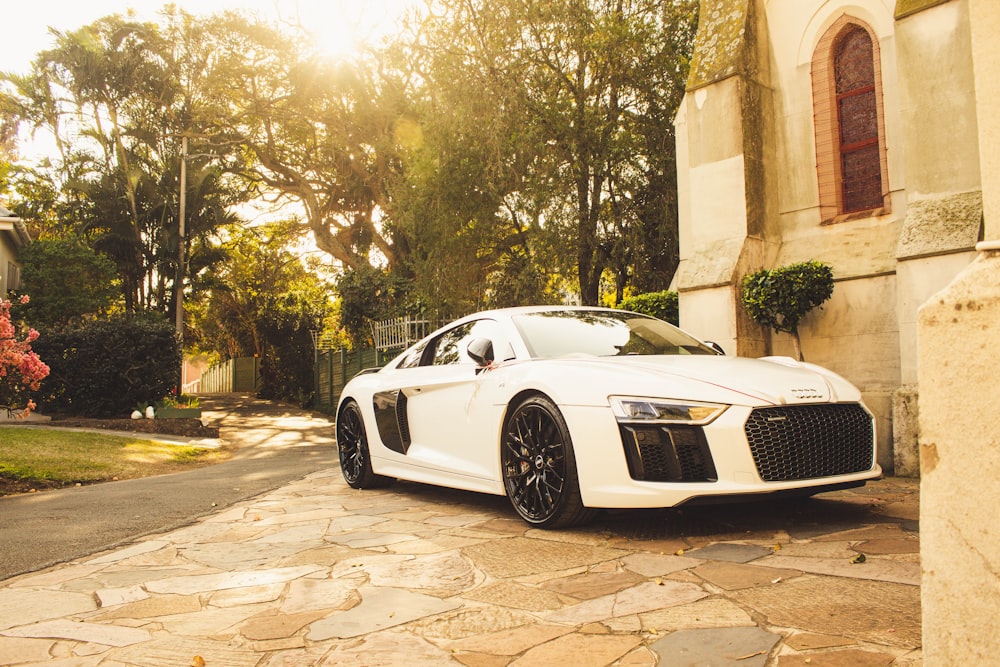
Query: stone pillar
[[725, 146], [958, 338]]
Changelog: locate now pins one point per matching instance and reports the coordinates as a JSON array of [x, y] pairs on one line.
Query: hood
[[735, 380]]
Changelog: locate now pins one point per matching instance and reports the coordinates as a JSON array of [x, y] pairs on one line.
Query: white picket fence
[[399, 332]]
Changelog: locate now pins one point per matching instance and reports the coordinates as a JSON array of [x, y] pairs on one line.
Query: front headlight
[[665, 411]]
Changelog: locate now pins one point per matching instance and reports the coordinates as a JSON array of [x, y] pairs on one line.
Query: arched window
[[850, 144]]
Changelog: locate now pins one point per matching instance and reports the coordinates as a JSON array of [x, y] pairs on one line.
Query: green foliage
[[116, 95], [548, 136], [779, 298], [104, 368], [658, 304], [261, 300], [367, 295], [67, 281]]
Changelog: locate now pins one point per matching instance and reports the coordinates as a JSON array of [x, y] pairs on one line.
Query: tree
[[591, 88], [262, 301], [49, 266], [368, 294], [779, 298], [321, 134], [117, 95]]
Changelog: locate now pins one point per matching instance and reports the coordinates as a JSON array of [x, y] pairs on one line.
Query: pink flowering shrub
[[21, 371]]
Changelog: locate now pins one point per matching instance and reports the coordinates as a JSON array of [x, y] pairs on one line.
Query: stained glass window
[[857, 118]]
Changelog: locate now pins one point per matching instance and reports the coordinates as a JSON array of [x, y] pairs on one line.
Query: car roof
[[518, 310]]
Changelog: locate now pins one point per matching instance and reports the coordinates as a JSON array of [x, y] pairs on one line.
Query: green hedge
[[658, 304], [105, 368]]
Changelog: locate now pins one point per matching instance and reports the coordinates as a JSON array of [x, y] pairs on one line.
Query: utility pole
[[179, 290]]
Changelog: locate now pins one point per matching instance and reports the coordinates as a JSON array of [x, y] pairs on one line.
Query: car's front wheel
[[539, 467], [352, 447]]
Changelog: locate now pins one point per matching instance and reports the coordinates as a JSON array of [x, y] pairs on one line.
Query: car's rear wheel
[[352, 447], [539, 468]]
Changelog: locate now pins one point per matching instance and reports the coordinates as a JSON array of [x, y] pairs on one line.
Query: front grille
[[667, 453], [809, 441]]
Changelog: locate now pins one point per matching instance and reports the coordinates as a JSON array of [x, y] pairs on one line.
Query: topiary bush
[[105, 368], [658, 304], [779, 298]]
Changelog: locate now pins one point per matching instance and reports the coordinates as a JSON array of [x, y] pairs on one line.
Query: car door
[[442, 430]]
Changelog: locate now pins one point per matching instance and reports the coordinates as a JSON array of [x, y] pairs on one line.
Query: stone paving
[[318, 574]]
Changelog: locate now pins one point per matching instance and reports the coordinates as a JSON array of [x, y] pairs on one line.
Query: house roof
[[12, 228]]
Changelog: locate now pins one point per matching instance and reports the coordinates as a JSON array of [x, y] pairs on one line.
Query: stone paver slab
[[513, 641], [322, 594], [21, 606], [215, 622], [511, 594], [151, 607], [850, 658], [200, 583], [734, 576], [733, 553], [635, 600], [889, 546], [234, 597], [442, 575], [368, 539], [98, 633], [519, 556], [875, 569], [18, 650], [705, 613], [807, 641], [181, 652], [380, 608], [109, 597], [470, 621], [128, 552], [278, 626], [590, 585], [658, 565], [385, 649], [579, 649], [879, 612], [726, 647]]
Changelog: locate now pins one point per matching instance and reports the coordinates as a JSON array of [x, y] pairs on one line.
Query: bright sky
[[340, 24]]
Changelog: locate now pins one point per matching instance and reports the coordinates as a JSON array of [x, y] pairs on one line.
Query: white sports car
[[567, 409]]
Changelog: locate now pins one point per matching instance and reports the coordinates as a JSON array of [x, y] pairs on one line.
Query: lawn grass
[[48, 458]]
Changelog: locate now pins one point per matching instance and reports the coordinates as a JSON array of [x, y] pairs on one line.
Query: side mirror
[[715, 346], [480, 350]]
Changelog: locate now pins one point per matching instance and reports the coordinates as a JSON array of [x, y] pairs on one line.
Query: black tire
[[539, 468], [352, 448]]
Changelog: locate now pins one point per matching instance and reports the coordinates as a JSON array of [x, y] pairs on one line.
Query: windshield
[[602, 333]]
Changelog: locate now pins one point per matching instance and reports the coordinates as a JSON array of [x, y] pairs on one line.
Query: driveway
[[314, 573], [274, 445]]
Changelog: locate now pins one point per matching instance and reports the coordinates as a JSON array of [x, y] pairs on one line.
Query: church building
[[842, 131]]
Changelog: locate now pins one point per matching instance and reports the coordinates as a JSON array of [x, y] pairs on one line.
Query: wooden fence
[[240, 375], [335, 367]]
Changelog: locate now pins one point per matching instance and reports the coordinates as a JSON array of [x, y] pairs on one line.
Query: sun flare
[[343, 28]]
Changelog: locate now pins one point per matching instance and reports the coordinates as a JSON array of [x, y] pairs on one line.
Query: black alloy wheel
[[352, 448], [539, 468]]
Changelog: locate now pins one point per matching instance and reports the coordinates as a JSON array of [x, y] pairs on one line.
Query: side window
[[451, 346], [412, 359]]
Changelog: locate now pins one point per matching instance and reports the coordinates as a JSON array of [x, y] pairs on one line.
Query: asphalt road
[[276, 444]]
